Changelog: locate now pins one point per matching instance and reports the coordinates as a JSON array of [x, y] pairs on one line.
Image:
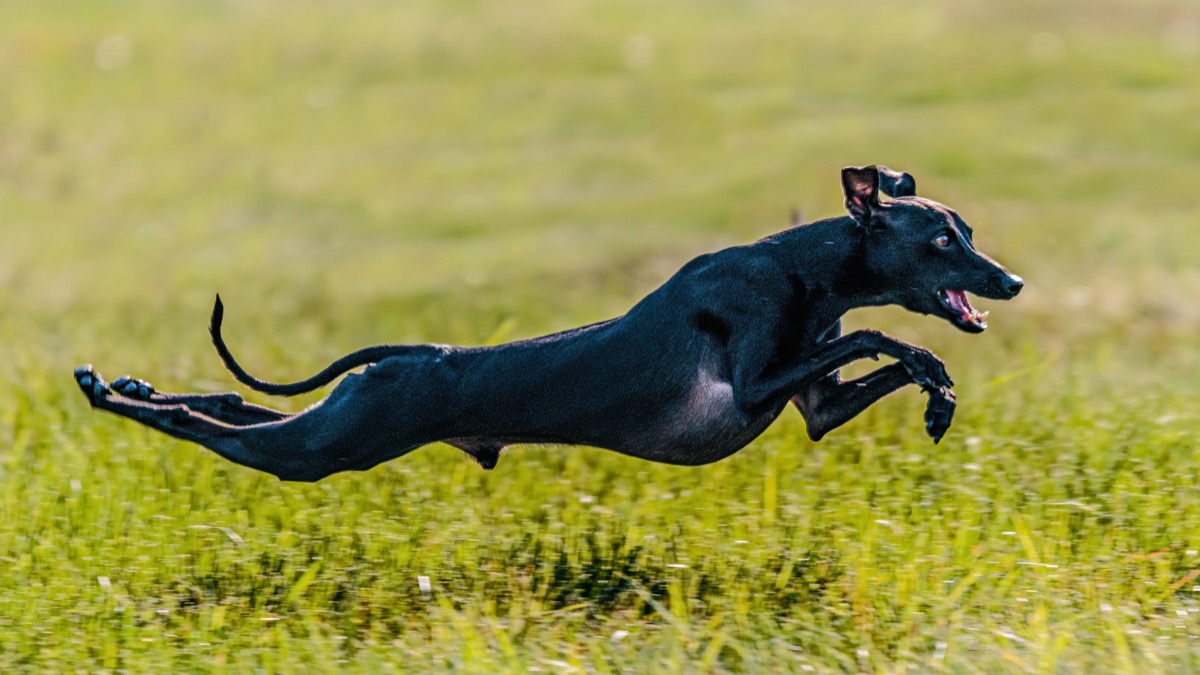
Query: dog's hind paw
[[939, 412], [131, 387], [91, 384]]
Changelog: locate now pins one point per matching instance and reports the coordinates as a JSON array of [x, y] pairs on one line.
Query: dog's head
[[921, 251]]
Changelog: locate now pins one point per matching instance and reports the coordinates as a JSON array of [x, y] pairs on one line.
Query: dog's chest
[[707, 425], [710, 396], [708, 412]]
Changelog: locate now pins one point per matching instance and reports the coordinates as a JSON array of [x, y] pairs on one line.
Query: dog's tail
[[361, 357]]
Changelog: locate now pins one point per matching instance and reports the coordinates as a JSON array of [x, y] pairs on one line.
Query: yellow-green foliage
[[347, 173]]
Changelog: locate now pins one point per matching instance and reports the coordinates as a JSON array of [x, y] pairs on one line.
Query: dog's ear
[[896, 183], [861, 186]]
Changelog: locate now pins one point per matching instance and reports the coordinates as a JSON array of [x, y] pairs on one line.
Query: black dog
[[690, 375]]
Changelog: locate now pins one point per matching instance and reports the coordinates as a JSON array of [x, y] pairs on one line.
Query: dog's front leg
[[830, 403], [756, 387]]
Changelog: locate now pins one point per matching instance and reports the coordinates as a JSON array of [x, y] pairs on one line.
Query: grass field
[[465, 172]]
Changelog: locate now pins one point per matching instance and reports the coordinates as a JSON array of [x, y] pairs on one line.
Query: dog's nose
[[1013, 285]]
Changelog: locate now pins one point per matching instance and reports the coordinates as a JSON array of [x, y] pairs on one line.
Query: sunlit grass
[[459, 172]]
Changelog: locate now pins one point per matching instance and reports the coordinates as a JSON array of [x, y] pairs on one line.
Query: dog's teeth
[[983, 315]]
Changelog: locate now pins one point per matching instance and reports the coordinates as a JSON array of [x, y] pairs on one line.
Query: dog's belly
[[637, 409], [699, 425]]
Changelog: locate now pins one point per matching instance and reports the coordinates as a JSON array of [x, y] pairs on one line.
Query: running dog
[[690, 375]]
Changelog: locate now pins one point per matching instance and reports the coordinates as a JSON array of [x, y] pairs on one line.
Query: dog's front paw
[[91, 384], [939, 412], [131, 387], [927, 370]]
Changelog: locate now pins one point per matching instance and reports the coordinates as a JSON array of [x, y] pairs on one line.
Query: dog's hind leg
[[359, 425], [229, 408], [299, 454], [175, 420]]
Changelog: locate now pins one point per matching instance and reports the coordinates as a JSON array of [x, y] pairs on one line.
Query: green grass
[[467, 172]]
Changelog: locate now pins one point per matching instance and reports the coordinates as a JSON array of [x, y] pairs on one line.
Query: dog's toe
[[939, 413], [131, 387], [91, 383], [85, 375]]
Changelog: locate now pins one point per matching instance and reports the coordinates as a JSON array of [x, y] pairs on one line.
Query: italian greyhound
[[690, 375]]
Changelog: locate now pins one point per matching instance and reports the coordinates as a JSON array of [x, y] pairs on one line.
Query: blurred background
[[467, 172]]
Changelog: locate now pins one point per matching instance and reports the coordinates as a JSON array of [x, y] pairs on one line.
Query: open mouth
[[962, 314]]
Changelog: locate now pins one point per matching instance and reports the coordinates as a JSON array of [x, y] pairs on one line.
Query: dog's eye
[[942, 240]]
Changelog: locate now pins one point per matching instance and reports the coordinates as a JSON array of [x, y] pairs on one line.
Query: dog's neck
[[828, 258]]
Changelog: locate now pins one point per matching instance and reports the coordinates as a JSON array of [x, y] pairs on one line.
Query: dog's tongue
[[958, 300]]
